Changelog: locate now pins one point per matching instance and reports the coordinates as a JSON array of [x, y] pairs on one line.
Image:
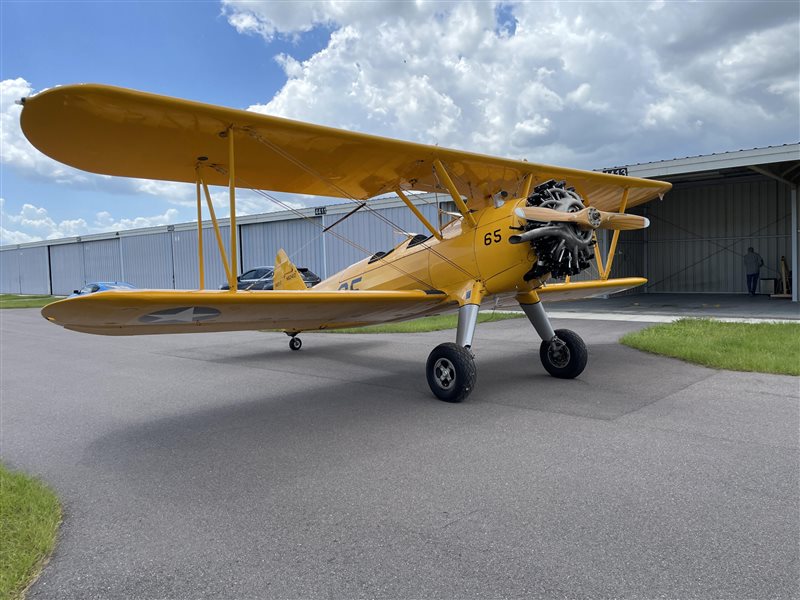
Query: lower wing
[[575, 290], [138, 312]]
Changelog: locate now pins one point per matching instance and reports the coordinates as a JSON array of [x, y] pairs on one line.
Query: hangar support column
[[795, 202], [795, 215]]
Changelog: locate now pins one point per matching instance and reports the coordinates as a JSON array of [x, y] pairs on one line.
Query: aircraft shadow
[[274, 429]]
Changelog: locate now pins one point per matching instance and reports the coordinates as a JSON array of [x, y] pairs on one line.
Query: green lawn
[[29, 517], [21, 301], [436, 323], [760, 347]]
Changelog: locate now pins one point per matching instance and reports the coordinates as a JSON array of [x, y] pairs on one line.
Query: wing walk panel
[[138, 312], [115, 131]]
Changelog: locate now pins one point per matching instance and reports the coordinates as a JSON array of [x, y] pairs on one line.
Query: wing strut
[[232, 193], [231, 268], [462, 207], [228, 274], [526, 186], [200, 265], [418, 214], [606, 271]]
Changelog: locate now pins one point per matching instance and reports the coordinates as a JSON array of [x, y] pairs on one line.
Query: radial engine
[[562, 248]]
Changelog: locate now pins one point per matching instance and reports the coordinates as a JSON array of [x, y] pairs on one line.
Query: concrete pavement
[[227, 466]]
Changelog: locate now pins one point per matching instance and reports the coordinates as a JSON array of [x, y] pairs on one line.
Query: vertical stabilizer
[[286, 276]]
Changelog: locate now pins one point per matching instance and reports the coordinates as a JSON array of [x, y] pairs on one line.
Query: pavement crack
[[460, 518]]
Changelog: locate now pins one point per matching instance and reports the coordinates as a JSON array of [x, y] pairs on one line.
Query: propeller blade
[[623, 221], [588, 218]]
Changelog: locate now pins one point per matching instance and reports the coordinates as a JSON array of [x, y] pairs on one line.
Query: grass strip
[[25, 301], [424, 324], [29, 518], [759, 347]]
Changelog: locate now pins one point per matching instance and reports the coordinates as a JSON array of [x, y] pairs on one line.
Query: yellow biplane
[[517, 225]]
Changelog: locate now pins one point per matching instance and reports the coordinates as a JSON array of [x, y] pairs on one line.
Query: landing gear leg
[[562, 352], [451, 368]]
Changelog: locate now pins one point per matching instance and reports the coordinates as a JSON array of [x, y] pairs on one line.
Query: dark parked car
[[260, 278], [102, 286]]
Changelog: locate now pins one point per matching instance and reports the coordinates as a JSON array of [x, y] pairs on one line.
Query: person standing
[[752, 266]]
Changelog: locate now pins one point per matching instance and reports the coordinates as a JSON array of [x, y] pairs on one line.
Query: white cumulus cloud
[[584, 84], [33, 223], [15, 150]]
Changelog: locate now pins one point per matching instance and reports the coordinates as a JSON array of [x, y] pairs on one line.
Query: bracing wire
[[314, 222], [343, 193]]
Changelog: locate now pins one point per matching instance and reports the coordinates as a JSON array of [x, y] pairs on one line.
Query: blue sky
[[184, 49], [177, 48], [579, 84]]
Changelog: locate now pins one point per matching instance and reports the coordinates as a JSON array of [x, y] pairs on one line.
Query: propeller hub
[[594, 217]]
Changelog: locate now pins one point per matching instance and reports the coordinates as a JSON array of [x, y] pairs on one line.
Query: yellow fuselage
[[464, 256]]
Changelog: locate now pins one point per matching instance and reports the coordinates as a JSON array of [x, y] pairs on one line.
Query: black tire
[[295, 343], [451, 372], [566, 356]]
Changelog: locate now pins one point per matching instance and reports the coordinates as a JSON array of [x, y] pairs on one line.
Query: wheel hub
[[444, 373], [558, 353]]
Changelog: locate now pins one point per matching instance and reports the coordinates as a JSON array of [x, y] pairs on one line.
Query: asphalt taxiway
[[227, 466]]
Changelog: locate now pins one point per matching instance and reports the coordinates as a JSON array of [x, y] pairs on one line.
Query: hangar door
[[699, 235]]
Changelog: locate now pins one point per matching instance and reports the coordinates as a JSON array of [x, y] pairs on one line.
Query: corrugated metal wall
[[102, 261], [301, 239], [66, 268], [184, 255], [25, 271], [34, 270], [9, 272], [147, 260], [696, 242], [699, 235], [369, 234]]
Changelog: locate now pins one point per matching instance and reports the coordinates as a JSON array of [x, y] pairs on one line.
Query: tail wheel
[[565, 355], [295, 343], [451, 372]]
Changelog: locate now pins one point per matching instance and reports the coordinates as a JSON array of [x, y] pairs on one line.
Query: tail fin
[[286, 276]]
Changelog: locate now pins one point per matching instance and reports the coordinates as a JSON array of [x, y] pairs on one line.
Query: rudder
[[286, 276]]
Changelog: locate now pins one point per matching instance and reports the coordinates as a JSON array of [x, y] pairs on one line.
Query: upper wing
[[123, 312], [115, 131]]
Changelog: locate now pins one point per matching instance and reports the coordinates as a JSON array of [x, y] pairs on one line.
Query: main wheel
[[565, 356], [295, 343], [451, 372]]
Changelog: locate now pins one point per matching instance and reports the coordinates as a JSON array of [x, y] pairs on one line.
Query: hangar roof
[[778, 162]]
